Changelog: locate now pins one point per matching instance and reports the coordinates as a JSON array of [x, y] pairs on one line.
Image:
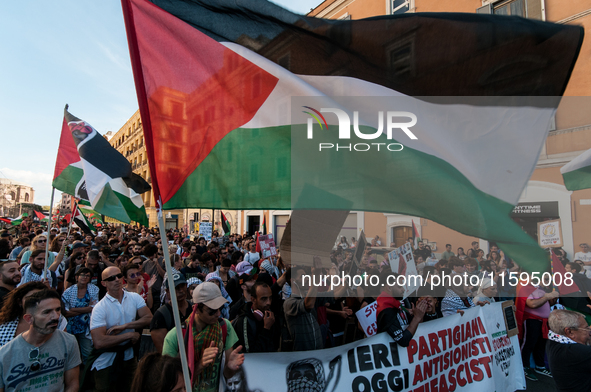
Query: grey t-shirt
[[58, 355]]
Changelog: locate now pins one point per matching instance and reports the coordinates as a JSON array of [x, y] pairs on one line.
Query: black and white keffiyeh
[[560, 338], [7, 331]]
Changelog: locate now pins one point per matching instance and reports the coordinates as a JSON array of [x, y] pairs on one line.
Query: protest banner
[[205, 230], [456, 353], [550, 234], [268, 247], [367, 318], [402, 261]]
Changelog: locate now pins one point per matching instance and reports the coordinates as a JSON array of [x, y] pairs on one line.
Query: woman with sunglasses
[[39, 242], [78, 301], [135, 283], [12, 322], [77, 258]]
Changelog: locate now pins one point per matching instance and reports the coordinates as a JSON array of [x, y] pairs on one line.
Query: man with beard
[[392, 317], [10, 277], [111, 364], [41, 358], [255, 326], [33, 272]]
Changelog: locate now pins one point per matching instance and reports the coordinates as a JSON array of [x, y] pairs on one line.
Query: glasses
[[41, 240], [112, 278], [212, 312], [133, 276], [34, 356]]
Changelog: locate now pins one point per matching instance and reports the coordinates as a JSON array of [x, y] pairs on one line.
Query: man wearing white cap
[[207, 337]]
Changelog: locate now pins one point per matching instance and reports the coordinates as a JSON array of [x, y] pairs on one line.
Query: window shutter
[[533, 9], [487, 9]]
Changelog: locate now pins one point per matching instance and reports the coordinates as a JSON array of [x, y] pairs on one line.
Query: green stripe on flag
[[68, 179], [577, 179], [245, 183], [120, 207]]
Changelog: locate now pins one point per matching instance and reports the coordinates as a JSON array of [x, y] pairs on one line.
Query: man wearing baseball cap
[[206, 338]]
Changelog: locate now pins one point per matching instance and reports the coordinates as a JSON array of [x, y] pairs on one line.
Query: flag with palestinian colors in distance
[[577, 173], [41, 216], [222, 83], [415, 236], [89, 168], [82, 222], [225, 224], [19, 219]]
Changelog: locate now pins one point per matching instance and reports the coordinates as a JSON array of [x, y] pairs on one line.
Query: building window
[[26, 197], [400, 6], [510, 7]]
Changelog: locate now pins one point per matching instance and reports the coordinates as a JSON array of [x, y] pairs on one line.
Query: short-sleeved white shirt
[[109, 313]]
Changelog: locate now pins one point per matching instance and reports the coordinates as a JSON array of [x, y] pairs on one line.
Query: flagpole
[[173, 301], [48, 231]]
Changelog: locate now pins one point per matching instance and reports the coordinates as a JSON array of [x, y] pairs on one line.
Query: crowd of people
[[81, 318]]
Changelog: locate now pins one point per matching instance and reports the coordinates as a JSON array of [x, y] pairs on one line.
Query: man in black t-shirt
[[192, 270], [163, 320], [568, 350]]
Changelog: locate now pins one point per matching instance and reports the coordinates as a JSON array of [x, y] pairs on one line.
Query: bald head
[[110, 271]]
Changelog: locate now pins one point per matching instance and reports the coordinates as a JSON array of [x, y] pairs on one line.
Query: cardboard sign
[[205, 230], [550, 234], [402, 261], [367, 318], [268, 247]]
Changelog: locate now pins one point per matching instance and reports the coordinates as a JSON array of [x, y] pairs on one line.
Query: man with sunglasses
[[111, 365], [252, 256], [42, 358], [209, 337]]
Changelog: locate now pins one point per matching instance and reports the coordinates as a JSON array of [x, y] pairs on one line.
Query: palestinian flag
[[263, 229], [82, 222], [225, 224], [577, 173], [5, 219], [416, 237], [19, 219], [89, 168], [41, 216], [217, 83]]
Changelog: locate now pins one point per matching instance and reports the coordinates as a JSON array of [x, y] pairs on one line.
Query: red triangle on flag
[[204, 100], [558, 268], [67, 152], [39, 215]]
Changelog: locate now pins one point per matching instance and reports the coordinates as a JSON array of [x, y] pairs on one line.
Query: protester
[[163, 320], [211, 337], [39, 242], [568, 350], [78, 301], [50, 357], [158, 373], [10, 277], [456, 300], [212, 277], [12, 322], [255, 325], [532, 312], [392, 317], [111, 364], [76, 259], [487, 291], [34, 271], [134, 283]]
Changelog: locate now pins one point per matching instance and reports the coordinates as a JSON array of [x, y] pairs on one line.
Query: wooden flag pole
[[173, 301], [48, 231]]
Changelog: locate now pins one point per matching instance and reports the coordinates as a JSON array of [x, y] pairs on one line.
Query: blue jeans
[[85, 345]]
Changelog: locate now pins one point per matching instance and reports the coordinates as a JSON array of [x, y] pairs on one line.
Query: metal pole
[[48, 231], [173, 301]]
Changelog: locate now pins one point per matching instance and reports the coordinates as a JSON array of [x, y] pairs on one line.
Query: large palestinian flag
[[222, 83], [89, 168]]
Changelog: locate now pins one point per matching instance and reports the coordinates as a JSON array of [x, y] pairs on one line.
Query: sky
[[63, 52]]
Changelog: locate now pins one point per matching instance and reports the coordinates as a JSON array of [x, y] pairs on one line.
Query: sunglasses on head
[[112, 278]]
